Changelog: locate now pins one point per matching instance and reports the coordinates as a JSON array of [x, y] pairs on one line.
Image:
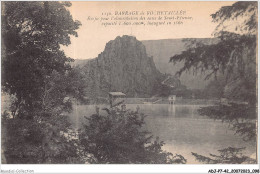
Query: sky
[[92, 36]]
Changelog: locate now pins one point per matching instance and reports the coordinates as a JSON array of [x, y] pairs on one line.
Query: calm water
[[182, 129]]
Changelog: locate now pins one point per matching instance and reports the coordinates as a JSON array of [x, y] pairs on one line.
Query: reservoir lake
[[181, 128]]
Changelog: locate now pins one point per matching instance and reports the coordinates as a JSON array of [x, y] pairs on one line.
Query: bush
[[119, 137], [38, 141]]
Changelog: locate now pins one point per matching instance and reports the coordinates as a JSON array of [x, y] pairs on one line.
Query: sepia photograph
[[116, 82]]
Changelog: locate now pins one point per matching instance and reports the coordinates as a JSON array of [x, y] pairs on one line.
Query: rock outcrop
[[123, 66]]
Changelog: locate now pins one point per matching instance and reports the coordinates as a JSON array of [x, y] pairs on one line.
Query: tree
[[228, 155], [32, 33], [234, 55], [119, 138], [36, 72], [233, 58], [32, 142]]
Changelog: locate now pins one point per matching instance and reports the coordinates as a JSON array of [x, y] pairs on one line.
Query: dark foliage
[[233, 57], [31, 36], [38, 141], [228, 155], [37, 73], [216, 57], [234, 12], [233, 60], [118, 137]]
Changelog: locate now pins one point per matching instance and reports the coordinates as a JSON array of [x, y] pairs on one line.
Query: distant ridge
[[163, 49]]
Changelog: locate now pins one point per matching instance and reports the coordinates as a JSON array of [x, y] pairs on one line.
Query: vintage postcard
[[91, 82]]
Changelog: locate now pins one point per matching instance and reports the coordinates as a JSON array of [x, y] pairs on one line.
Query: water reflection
[[171, 110]]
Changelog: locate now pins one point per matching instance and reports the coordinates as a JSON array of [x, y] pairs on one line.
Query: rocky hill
[[123, 66]]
